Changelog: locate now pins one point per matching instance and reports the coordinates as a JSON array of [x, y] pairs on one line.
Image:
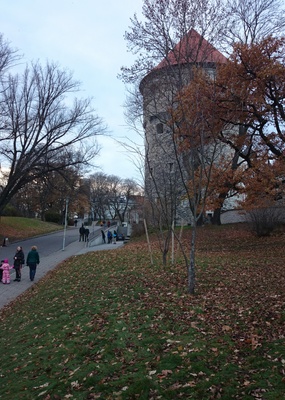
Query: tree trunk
[[191, 267], [216, 218], [164, 256], [166, 249]]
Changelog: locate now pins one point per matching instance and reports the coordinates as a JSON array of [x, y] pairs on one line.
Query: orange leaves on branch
[[252, 90], [242, 108], [195, 114], [262, 184], [225, 181]]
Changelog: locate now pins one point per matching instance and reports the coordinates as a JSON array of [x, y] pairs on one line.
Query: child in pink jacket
[[6, 271]]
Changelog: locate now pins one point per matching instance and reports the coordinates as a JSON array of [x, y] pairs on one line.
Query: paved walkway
[[14, 289]]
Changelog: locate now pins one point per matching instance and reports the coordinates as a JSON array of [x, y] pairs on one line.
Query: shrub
[[52, 216], [11, 211], [263, 221], [138, 229]]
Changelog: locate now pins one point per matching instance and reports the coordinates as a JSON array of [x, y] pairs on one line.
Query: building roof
[[192, 48]]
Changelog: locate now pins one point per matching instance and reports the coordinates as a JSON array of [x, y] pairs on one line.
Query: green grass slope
[[108, 325], [17, 228]]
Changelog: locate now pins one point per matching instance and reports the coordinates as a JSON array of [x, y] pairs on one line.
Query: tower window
[[159, 128]]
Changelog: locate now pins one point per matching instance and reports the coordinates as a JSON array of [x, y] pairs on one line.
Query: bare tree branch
[[39, 124]]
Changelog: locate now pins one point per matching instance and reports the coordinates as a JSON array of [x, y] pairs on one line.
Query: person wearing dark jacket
[[19, 260], [103, 236], [81, 233], [86, 234], [33, 260]]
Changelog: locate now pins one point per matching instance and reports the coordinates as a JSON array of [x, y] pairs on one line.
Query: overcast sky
[[86, 37]]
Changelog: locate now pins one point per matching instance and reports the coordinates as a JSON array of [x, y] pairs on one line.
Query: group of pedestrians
[[110, 236], [33, 259], [83, 234]]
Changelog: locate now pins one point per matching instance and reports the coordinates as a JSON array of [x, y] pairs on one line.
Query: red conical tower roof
[[193, 48]]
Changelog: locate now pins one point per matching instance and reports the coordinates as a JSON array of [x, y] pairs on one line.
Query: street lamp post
[[92, 216], [65, 223]]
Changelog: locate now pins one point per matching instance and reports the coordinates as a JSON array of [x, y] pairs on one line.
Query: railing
[[95, 238]]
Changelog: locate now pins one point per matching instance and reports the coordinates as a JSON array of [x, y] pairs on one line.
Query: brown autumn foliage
[[242, 107], [263, 185], [252, 91], [197, 128], [195, 114]]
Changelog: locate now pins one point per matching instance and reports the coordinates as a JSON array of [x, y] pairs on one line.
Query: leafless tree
[[53, 190], [42, 129], [167, 23], [122, 201], [99, 194], [166, 26], [112, 196], [249, 21], [8, 55]]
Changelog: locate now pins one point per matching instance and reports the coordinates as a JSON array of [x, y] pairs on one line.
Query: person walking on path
[[1, 270], [6, 271], [109, 235], [103, 236], [86, 234], [33, 260], [19, 260], [115, 237], [81, 233]]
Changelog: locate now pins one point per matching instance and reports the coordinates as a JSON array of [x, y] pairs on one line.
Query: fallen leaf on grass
[[226, 328], [189, 384], [42, 386], [75, 385], [164, 373], [73, 372]]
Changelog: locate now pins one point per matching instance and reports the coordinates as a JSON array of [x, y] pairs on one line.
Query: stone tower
[[163, 175]]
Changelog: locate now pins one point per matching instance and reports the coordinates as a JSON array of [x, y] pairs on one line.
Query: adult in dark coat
[[33, 260], [86, 234], [81, 233], [19, 260], [1, 270], [103, 236]]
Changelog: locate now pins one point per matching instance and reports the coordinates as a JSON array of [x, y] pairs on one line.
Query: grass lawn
[[108, 325], [17, 228]]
